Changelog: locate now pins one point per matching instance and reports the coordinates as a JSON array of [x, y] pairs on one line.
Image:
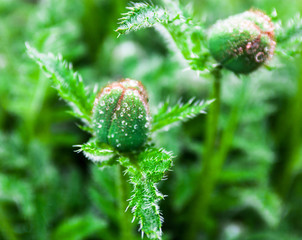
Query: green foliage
[[141, 15], [47, 191], [265, 202], [292, 28], [189, 38], [103, 192], [100, 153], [145, 171], [181, 34], [22, 185], [88, 224], [68, 83], [152, 164], [180, 112], [289, 36], [20, 193]]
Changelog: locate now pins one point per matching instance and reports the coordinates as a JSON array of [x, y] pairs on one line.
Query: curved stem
[[126, 225]]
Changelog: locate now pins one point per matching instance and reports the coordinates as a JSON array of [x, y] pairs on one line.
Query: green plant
[[121, 115], [122, 106], [49, 191], [241, 43]]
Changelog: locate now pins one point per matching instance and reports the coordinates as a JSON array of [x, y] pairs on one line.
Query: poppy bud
[[243, 42], [121, 115]]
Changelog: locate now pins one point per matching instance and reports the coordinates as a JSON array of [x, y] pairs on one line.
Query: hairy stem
[[126, 225]]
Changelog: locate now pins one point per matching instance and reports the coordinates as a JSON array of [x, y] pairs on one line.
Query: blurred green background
[[47, 191]]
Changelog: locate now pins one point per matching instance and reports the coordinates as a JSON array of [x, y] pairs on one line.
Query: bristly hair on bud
[[243, 42], [121, 115]]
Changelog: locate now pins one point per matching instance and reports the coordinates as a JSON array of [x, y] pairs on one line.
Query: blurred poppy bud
[[243, 42], [121, 115]]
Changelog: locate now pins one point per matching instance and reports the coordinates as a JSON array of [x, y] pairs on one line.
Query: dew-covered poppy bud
[[121, 115], [243, 42]]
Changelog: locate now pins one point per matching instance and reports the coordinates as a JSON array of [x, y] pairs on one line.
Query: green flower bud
[[121, 115], [243, 42]]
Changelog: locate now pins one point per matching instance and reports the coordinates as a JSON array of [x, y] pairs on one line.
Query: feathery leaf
[[179, 112], [141, 15], [292, 28], [100, 153], [152, 165], [182, 35], [289, 37], [68, 83]]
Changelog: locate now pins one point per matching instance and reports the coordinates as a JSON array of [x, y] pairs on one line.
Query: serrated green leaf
[[289, 37], [183, 36], [100, 153], [292, 28], [153, 163], [68, 83], [141, 15], [180, 112]]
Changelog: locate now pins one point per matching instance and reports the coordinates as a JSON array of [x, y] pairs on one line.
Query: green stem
[[229, 131], [201, 198], [294, 141], [213, 160], [213, 116], [6, 227], [126, 225]]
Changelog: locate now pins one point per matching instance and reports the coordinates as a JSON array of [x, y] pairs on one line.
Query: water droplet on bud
[[243, 42], [260, 57], [121, 115]]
